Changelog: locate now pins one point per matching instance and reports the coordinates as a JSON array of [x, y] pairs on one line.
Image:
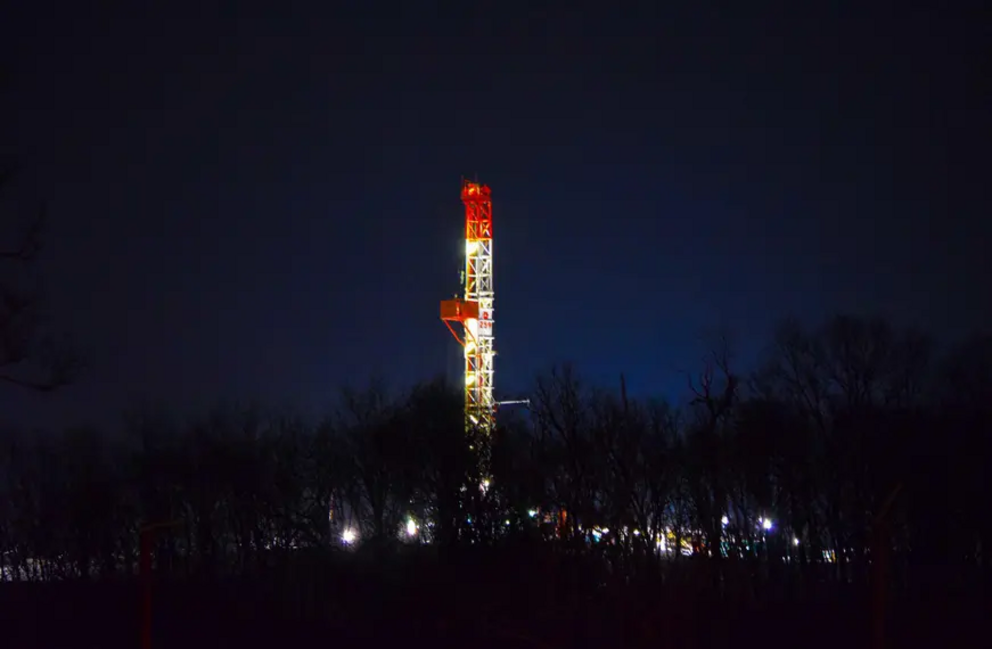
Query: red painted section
[[145, 566], [478, 210]]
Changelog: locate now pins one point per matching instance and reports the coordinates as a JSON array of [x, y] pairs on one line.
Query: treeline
[[851, 438]]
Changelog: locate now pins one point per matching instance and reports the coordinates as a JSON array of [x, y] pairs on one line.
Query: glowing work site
[[739, 391]]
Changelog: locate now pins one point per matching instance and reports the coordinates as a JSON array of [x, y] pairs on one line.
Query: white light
[[411, 527], [532, 513], [725, 521], [471, 246], [766, 523], [795, 540], [348, 536], [637, 532]]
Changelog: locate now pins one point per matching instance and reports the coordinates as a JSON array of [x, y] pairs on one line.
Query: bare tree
[[30, 356], [715, 395], [376, 440], [562, 419], [439, 461]]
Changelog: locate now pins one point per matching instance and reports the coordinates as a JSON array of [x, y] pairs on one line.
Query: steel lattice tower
[[474, 311]]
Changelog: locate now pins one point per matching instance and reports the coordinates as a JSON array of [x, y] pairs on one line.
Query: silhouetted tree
[[30, 356], [439, 462], [562, 429], [715, 396]]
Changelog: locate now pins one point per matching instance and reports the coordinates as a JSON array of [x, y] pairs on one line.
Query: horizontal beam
[[459, 310]]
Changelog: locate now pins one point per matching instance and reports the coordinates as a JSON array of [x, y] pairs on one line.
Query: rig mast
[[474, 312]]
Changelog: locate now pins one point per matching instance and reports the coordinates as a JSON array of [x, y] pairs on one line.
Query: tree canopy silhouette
[[787, 465]]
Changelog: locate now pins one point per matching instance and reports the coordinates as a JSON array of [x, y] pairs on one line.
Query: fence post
[[145, 538], [881, 548]]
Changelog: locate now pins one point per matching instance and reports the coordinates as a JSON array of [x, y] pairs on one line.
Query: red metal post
[[145, 567]]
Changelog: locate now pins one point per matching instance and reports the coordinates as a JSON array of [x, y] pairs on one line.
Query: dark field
[[509, 599]]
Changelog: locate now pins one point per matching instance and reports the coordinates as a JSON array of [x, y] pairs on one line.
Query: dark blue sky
[[262, 199]]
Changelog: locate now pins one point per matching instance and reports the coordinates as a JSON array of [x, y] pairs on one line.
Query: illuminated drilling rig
[[474, 312]]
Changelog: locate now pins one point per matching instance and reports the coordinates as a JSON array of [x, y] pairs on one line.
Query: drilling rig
[[470, 320]]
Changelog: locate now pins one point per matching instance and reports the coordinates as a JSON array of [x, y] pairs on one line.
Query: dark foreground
[[518, 600]]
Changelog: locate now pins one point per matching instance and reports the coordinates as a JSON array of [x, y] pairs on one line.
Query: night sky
[[262, 199]]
